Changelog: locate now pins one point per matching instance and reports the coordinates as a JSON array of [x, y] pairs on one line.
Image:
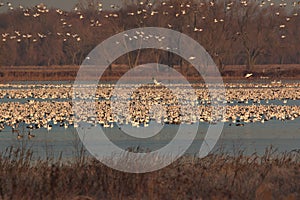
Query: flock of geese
[[42, 9], [45, 106]]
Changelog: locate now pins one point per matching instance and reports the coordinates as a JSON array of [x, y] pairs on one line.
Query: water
[[251, 138]]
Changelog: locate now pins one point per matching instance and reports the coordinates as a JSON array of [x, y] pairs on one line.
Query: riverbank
[[69, 73]]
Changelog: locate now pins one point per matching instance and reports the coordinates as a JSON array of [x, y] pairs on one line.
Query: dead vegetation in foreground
[[217, 176]]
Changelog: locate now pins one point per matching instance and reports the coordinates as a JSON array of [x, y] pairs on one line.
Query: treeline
[[233, 32]]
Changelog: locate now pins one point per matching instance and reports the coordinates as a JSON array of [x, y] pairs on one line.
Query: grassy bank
[[217, 176]]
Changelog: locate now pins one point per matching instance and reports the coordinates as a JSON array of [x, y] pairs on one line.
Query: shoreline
[[69, 73]]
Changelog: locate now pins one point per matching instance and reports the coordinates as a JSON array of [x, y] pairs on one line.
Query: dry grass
[[217, 176]]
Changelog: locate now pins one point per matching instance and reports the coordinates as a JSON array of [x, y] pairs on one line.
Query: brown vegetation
[[69, 73], [217, 176]]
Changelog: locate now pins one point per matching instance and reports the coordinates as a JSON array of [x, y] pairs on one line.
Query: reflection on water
[[253, 137]]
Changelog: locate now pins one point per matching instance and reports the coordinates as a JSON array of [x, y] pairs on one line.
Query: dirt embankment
[[275, 71], [69, 73]]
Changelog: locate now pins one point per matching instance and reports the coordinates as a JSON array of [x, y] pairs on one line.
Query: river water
[[250, 138]]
